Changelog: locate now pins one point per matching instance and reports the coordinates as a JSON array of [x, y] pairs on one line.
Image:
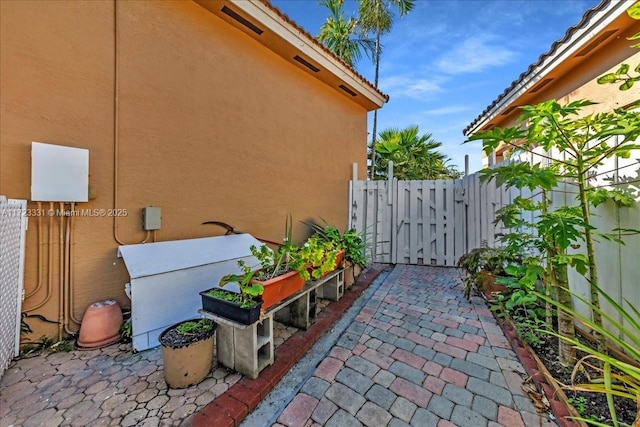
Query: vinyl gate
[[13, 224], [426, 222]]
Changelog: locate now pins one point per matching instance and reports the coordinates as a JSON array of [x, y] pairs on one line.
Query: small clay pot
[[100, 325]]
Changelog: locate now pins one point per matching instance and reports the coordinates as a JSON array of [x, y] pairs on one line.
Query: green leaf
[[634, 11], [626, 85], [624, 69], [636, 36], [607, 78], [254, 290]]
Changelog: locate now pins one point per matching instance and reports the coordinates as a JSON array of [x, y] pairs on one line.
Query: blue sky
[[447, 60]]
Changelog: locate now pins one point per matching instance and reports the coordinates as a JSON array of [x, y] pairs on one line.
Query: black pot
[[229, 309]]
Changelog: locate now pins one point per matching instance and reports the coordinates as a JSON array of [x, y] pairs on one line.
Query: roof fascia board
[[274, 23], [578, 40]]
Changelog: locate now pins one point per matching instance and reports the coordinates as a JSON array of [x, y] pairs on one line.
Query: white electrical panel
[[59, 173]]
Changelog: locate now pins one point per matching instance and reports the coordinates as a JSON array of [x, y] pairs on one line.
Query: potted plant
[[351, 243], [319, 257], [187, 352], [483, 266], [275, 278], [280, 272], [242, 307]]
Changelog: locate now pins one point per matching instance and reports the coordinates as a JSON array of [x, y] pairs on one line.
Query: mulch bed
[[543, 362]]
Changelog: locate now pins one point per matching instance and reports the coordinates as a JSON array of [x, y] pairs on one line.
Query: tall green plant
[[414, 156], [615, 376], [555, 232], [340, 35], [580, 143]]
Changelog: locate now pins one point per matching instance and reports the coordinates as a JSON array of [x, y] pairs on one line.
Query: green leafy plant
[[611, 375], [272, 263], [249, 292], [521, 303], [580, 403], [194, 327], [126, 331], [319, 257], [351, 241], [581, 143], [481, 261]]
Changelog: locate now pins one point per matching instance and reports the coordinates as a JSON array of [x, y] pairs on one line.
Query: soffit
[[599, 26], [266, 24]]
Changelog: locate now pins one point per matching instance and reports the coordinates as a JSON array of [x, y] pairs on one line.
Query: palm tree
[[414, 156], [376, 16], [339, 35]]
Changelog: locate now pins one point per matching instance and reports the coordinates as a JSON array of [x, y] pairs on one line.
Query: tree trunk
[[375, 112], [550, 282], [566, 325], [591, 255]]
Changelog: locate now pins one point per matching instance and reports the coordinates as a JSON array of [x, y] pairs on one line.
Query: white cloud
[[403, 85], [453, 109], [475, 55]]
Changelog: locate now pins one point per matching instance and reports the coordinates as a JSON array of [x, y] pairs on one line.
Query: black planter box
[[230, 310]]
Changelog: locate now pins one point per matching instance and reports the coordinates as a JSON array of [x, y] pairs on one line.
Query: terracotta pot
[[490, 288], [351, 273], [100, 325], [188, 364]]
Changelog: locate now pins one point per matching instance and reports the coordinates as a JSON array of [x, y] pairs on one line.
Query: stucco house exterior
[[209, 110], [569, 70]]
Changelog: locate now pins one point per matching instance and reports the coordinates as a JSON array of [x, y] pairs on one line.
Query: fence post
[[354, 178]]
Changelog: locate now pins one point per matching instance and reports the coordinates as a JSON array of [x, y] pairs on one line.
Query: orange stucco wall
[[208, 125]]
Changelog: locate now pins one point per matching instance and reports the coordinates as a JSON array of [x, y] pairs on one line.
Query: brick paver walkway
[[417, 354], [411, 351]]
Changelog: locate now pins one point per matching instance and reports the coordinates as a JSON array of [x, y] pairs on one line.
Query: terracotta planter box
[[339, 258], [230, 310], [337, 265], [280, 288]]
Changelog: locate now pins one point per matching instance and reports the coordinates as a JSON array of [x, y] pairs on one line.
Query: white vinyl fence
[[431, 222], [435, 222], [13, 224]]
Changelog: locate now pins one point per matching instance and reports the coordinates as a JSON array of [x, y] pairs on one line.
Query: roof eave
[[574, 40], [292, 38]]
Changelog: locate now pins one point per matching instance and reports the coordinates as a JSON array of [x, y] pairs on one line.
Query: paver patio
[[411, 351]]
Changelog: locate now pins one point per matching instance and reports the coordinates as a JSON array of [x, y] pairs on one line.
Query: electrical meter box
[[151, 218], [59, 173]]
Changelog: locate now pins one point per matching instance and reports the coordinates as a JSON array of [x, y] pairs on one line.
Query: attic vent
[[540, 85], [242, 20], [510, 109], [306, 63], [349, 91], [595, 43]]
